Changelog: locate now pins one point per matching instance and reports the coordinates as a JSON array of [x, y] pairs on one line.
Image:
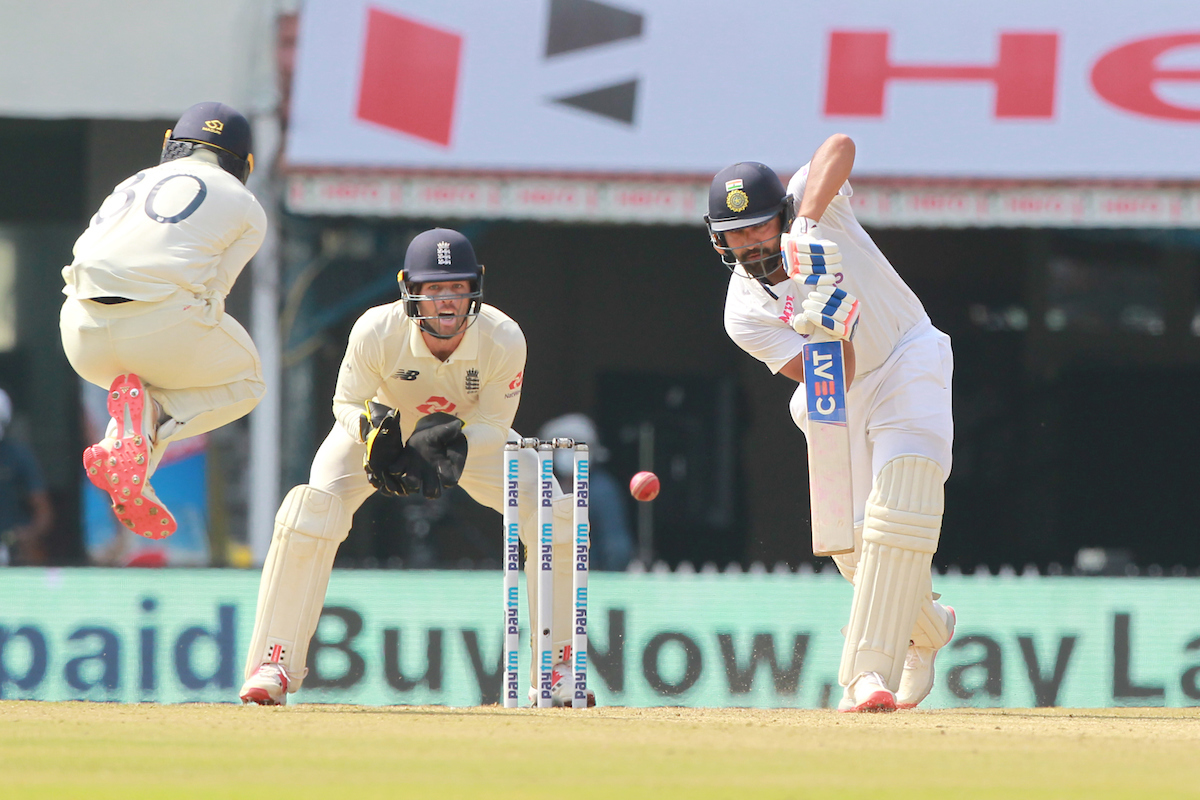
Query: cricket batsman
[[801, 262], [145, 310], [425, 400]]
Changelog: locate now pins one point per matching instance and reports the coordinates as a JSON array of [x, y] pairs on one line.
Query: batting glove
[[832, 309], [807, 257]]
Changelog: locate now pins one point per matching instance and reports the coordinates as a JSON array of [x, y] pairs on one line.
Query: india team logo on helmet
[[736, 199], [744, 195]]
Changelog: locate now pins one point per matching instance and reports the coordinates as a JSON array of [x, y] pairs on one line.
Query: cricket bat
[[830, 485]]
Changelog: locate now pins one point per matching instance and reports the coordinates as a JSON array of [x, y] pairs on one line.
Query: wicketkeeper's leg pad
[[309, 526], [900, 535]]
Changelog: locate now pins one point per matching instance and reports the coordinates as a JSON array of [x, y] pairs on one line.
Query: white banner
[[1026, 89], [135, 59]]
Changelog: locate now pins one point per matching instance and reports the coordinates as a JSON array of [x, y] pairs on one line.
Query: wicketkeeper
[[802, 262], [425, 401]]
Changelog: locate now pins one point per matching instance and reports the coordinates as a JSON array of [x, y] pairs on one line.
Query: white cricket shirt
[[761, 325], [388, 361], [184, 225]]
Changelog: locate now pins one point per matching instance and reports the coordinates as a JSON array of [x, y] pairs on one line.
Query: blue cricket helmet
[[743, 195], [440, 255], [215, 127]]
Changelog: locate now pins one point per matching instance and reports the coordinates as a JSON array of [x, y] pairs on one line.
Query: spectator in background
[[25, 511], [612, 539]]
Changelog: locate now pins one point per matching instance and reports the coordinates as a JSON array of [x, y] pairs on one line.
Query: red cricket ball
[[644, 486]]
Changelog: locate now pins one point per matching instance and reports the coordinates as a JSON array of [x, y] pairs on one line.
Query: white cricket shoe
[[562, 690], [868, 692], [267, 686], [562, 687], [916, 682]]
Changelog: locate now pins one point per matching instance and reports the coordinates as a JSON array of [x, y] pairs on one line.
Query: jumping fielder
[[425, 400], [145, 310], [800, 260]]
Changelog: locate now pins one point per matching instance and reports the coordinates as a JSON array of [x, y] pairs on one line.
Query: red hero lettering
[[860, 68], [1126, 77], [1024, 75]]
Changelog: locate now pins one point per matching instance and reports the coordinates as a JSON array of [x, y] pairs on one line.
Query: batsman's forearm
[[831, 167]]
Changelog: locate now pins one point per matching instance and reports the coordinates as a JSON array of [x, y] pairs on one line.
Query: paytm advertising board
[[745, 640], [1027, 89]]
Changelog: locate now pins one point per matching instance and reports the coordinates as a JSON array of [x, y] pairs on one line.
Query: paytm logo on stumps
[[513, 545], [547, 674], [513, 476], [547, 493], [581, 482], [825, 382]]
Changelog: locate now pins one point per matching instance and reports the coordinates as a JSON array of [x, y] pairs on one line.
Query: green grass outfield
[[102, 750]]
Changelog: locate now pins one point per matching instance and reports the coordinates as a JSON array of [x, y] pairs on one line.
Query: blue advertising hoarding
[[411, 637]]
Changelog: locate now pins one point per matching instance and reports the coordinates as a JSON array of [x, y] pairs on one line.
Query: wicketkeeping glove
[[439, 451], [388, 459], [807, 257]]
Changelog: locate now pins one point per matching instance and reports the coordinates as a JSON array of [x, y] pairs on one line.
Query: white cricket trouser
[[204, 371], [337, 468]]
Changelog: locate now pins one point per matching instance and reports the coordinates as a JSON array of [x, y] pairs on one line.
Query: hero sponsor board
[[1026, 89]]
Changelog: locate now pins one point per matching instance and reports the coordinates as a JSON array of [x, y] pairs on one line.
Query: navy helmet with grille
[[440, 255], [215, 127], [743, 195]]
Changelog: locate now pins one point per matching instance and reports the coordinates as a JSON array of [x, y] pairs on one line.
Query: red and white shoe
[[562, 689], [868, 692], [119, 463], [146, 516], [267, 686], [916, 682]]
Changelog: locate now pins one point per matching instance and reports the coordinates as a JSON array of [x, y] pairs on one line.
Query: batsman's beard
[[760, 261]]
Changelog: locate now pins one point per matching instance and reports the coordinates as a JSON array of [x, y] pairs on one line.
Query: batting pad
[[562, 606], [931, 629], [309, 526], [900, 535], [563, 550], [564, 507]]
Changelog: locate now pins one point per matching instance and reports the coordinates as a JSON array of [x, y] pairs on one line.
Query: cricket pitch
[[102, 750]]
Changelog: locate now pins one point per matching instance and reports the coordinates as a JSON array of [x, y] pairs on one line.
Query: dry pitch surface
[[97, 751]]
